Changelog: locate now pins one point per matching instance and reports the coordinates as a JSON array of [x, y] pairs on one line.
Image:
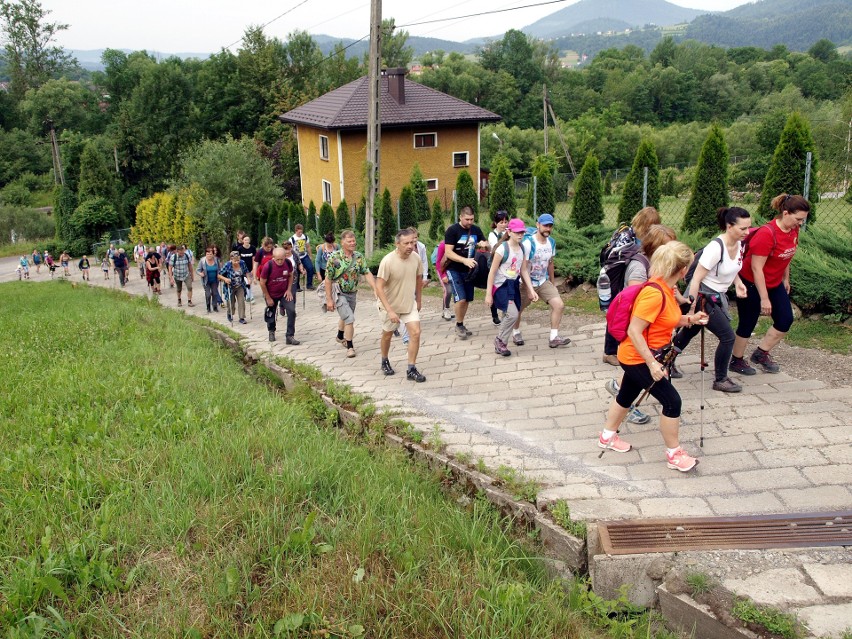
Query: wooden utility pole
[[374, 124], [59, 176], [544, 109]]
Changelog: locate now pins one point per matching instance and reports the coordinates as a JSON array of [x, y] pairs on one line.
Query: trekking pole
[[703, 367], [304, 291]]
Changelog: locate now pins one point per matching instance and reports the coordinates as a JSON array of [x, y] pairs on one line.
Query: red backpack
[[621, 309]]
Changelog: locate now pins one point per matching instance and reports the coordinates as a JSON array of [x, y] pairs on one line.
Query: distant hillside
[[420, 45], [633, 13], [797, 24], [90, 59]]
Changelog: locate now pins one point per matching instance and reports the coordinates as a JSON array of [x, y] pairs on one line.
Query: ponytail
[[789, 203], [729, 215]]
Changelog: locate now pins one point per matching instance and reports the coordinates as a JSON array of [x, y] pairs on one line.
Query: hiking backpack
[[621, 309], [616, 255]]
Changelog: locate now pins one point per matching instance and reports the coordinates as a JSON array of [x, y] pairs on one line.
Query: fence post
[[645, 187], [535, 197]]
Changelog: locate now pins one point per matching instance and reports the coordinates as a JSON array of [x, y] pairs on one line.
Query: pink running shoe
[[681, 461], [614, 443]]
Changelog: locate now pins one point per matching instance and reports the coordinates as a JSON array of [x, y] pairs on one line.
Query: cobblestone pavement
[[782, 445]]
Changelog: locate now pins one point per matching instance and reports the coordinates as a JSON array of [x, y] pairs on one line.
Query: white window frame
[[326, 191], [429, 181], [323, 148], [434, 135], [466, 159]]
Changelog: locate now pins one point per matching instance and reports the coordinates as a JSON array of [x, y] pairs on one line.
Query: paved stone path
[[782, 445]]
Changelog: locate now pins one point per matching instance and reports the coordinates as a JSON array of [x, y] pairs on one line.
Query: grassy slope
[[151, 488]]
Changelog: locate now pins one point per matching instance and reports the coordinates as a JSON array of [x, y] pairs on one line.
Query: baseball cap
[[545, 218], [517, 225]]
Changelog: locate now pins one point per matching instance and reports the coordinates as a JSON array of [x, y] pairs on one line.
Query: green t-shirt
[[346, 272]]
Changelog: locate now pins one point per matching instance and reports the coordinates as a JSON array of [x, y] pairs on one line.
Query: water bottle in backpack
[[604, 290]]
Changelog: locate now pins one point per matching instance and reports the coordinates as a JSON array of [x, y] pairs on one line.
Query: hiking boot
[[612, 360], [271, 336], [518, 339], [461, 333], [292, 341], [727, 385], [467, 331], [614, 443], [739, 365], [500, 347], [764, 359], [350, 352], [679, 460], [230, 317], [415, 375], [636, 416], [674, 373], [559, 341], [447, 314], [386, 367], [243, 320]]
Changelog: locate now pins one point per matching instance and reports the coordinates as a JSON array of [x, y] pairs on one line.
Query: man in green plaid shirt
[[343, 272]]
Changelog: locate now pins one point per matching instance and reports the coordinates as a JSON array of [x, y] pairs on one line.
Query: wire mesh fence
[[828, 190]]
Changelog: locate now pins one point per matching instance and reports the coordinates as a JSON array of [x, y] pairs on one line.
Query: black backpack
[[698, 255], [616, 255]]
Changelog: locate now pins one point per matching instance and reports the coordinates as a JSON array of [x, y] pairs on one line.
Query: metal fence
[[832, 202]]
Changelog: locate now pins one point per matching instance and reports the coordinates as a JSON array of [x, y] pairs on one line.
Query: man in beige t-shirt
[[399, 284]]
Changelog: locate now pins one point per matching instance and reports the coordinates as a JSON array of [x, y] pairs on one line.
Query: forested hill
[[797, 24], [609, 15]]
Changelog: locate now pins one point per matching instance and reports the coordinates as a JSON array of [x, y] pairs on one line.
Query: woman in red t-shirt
[[766, 275], [654, 316]]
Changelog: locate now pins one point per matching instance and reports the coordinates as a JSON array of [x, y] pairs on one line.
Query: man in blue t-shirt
[[460, 242]]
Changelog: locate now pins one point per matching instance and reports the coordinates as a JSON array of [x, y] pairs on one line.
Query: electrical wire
[[266, 24]]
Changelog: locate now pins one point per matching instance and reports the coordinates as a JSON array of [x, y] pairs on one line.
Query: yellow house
[[419, 125]]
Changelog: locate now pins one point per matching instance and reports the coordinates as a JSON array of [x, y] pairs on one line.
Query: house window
[[432, 185], [323, 141], [461, 158], [326, 191], [425, 140]]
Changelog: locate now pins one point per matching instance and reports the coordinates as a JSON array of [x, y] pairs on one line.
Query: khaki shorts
[[546, 292], [406, 318], [181, 283]]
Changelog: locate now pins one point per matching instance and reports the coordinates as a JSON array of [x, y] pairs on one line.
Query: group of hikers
[[649, 320]]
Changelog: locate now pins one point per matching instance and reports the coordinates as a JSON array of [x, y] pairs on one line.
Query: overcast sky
[[176, 26]]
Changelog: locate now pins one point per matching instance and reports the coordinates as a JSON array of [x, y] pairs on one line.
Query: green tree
[[418, 187], [31, 55], [97, 179], [787, 170], [68, 105], [282, 217], [407, 208], [22, 152], [395, 51], [607, 185], [311, 217], [236, 183], [342, 220], [631, 199], [297, 215], [361, 216], [710, 188], [92, 218], [588, 200], [501, 190], [543, 168], [436, 221], [387, 221], [64, 204], [326, 219], [466, 193]]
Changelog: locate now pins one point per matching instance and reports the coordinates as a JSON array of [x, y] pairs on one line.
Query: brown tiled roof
[[346, 108]]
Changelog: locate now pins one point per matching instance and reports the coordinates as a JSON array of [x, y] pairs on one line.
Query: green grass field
[[151, 488]]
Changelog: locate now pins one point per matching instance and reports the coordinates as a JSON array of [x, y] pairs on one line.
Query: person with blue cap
[[539, 251]]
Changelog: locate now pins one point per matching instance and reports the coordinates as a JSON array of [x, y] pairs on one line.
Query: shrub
[[466, 193], [15, 194], [436, 223], [607, 185], [297, 214], [501, 190], [361, 216], [407, 206], [631, 199], [28, 224], [92, 218], [326, 219], [710, 189], [543, 168], [577, 252], [421, 199], [588, 201], [820, 281], [386, 222], [787, 170], [342, 220]]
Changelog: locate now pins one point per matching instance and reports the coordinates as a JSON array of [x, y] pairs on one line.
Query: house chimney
[[396, 83]]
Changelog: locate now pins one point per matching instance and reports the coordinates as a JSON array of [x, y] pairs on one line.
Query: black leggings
[[749, 309], [637, 377], [721, 328]]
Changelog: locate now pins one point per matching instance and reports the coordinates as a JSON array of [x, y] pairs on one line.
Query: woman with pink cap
[[504, 279]]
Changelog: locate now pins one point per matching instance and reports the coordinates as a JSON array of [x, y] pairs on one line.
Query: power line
[[483, 13], [266, 24]]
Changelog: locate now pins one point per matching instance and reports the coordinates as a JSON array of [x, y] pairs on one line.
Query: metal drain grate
[[637, 536]]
